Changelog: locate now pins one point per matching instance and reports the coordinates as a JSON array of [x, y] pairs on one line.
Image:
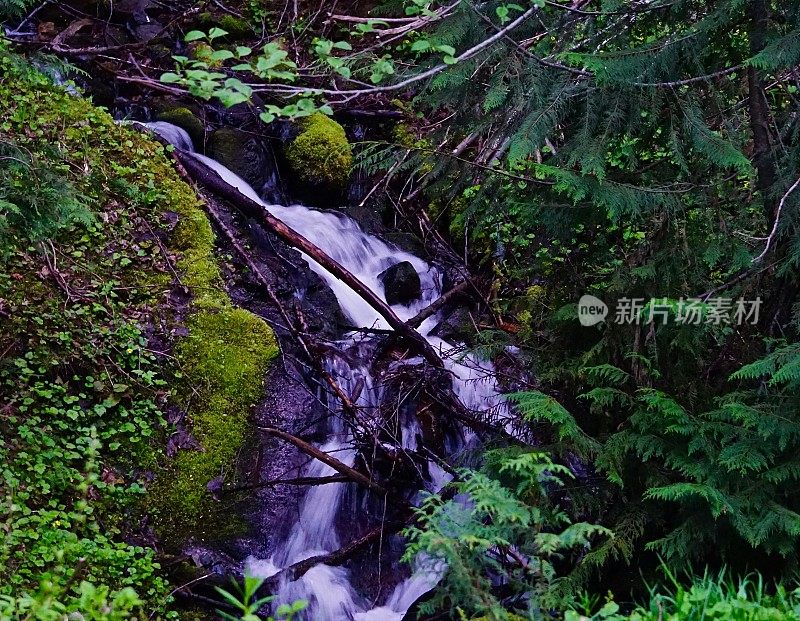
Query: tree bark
[[433, 307]]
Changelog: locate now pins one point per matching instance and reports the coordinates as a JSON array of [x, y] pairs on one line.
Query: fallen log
[[204, 175], [208, 177], [346, 401], [434, 307], [337, 557], [345, 553], [351, 473]]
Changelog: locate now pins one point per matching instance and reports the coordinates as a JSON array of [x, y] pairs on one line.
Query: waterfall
[[330, 594]]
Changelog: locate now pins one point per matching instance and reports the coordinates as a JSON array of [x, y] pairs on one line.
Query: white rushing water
[[328, 589]]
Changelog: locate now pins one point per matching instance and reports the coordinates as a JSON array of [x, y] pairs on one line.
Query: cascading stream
[[329, 591]]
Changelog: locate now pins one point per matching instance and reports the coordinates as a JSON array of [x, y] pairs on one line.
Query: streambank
[[204, 500], [115, 319]]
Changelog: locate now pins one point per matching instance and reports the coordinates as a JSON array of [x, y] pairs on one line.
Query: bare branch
[[774, 231]]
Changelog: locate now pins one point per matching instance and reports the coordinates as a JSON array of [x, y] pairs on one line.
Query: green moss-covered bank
[[99, 239], [321, 155], [224, 360]]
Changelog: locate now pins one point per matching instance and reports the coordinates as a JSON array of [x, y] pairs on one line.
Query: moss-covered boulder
[[186, 119], [240, 152], [236, 27], [321, 156]]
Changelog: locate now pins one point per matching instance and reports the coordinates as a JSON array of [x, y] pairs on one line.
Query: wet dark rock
[[401, 283], [147, 31], [187, 120], [131, 7], [241, 153], [457, 326]]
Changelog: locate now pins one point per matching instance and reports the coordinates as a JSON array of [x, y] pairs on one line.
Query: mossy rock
[[236, 27], [224, 360], [404, 135], [321, 156], [186, 119], [240, 153]]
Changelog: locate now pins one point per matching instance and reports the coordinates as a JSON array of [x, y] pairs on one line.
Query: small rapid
[[329, 591]]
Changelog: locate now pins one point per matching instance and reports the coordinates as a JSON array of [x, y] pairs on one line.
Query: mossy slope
[[89, 375]]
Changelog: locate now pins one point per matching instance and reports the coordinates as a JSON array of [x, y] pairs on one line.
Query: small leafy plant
[[245, 598]]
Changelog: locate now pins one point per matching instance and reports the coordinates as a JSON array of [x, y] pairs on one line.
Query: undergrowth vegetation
[[94, 269], [702, 598]]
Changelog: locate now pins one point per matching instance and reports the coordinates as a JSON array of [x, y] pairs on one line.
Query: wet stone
[[401, 283]]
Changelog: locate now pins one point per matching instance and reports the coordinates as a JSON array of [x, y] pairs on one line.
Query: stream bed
[[332, 593]]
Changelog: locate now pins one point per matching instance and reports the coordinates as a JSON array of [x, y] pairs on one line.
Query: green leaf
[[194, 35], [216, 33], [344, 72], [239, 86], [170, 78], [221, 55]]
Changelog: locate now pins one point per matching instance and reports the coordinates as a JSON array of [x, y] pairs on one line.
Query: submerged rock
[[401, 283], [321, 156], [147, 32], [241, 153]]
